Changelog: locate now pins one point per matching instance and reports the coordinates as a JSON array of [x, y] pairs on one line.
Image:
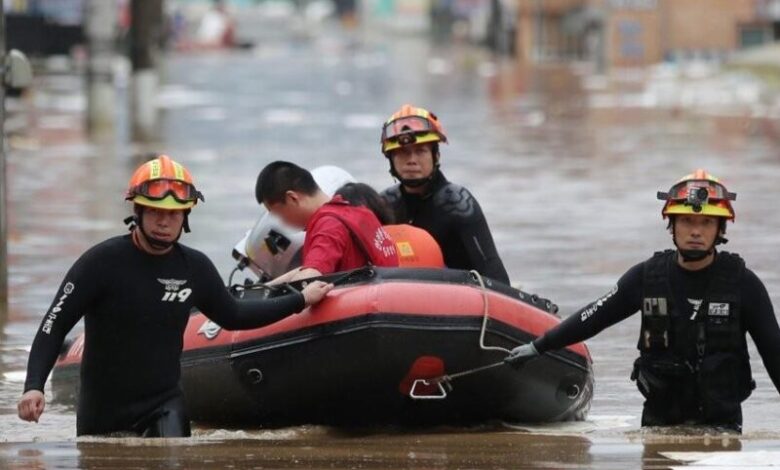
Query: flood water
[[565, 164]]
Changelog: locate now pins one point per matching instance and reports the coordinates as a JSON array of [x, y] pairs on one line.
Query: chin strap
[[415, 182], [695, 255], [698, 255], [135, 221], [186, 224]]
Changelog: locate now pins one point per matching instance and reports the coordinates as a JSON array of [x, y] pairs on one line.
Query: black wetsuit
[[135, 307], [688, 288], [452, 215]]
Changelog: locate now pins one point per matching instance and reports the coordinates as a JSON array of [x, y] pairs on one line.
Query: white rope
[[485, 316]]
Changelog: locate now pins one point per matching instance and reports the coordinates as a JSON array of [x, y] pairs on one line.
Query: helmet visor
[[406, 125], [158, 189]]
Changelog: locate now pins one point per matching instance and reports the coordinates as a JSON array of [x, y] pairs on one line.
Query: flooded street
[[565, 164]]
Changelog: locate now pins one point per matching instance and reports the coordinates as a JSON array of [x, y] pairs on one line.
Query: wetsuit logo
[[172, 292], [67, 289], [588, 312]]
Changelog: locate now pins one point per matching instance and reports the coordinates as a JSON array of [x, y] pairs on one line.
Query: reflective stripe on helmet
[[162, 179]]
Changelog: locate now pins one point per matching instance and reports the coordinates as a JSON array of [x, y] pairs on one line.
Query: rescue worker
[[339, 236], [416, 247], [697, 303], [135, 293], [424, 198]]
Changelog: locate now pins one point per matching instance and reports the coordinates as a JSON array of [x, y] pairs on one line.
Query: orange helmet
[[411, 125], [698, 193], [163, 184]]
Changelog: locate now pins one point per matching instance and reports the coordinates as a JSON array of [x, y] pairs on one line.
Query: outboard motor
[[272, 248]]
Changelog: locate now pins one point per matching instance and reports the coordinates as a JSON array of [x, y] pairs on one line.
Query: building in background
[[44, 27], [619, 33]]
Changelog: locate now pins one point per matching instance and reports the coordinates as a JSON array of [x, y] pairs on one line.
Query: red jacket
[[340, 237]]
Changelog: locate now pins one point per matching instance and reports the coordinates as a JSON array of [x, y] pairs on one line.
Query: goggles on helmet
[[159, 189], [405, 126], [696, 193]]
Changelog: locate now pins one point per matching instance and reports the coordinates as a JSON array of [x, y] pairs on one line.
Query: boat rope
[[485, 315]]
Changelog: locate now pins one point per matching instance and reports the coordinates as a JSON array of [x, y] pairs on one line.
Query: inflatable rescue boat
[[387, 346]]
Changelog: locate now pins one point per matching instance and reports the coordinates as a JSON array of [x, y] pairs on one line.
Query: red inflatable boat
[[385, 347]]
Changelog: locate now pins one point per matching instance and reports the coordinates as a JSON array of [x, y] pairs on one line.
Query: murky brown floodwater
[[565, 165]]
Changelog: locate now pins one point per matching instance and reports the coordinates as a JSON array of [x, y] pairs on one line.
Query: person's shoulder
[[733, 260], [327, 222], [750, 280], [636, 271], [634, 277], [110, 247], [392, 194], [193, 254], [105, 253], [455, 200]]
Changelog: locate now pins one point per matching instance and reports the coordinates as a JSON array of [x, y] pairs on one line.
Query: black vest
[[703, 356]]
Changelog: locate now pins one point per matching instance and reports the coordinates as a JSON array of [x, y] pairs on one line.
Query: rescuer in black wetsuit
[[135, 293], [424, 198], [697, 304]]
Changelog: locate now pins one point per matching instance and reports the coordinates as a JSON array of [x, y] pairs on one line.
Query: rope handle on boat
[[485, 316]]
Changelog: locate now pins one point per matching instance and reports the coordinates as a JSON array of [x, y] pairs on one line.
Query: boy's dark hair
[[361, 194], [278, 177]]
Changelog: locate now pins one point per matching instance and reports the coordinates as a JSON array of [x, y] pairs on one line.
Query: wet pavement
[[565, 164]]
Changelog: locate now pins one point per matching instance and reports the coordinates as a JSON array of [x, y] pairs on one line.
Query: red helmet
[[411, 125]]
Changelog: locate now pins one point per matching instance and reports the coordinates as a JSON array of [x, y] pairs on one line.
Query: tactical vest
[[366, 231], [699, 359]]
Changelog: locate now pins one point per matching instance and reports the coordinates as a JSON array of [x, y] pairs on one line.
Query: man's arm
[[761, 323], [481, 249], [233, 314], [616, 305], [326, 244], [475, 234], [74, 296], [294, 275]]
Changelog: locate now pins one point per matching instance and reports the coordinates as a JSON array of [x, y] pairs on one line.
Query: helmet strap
[[695, 255]]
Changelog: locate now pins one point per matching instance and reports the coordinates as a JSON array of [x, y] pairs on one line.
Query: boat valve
[[255, 376]]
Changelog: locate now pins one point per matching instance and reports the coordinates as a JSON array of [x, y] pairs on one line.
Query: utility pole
[[15, 71], [3, 184], [539, 50], [100, 26], [145, 38]]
